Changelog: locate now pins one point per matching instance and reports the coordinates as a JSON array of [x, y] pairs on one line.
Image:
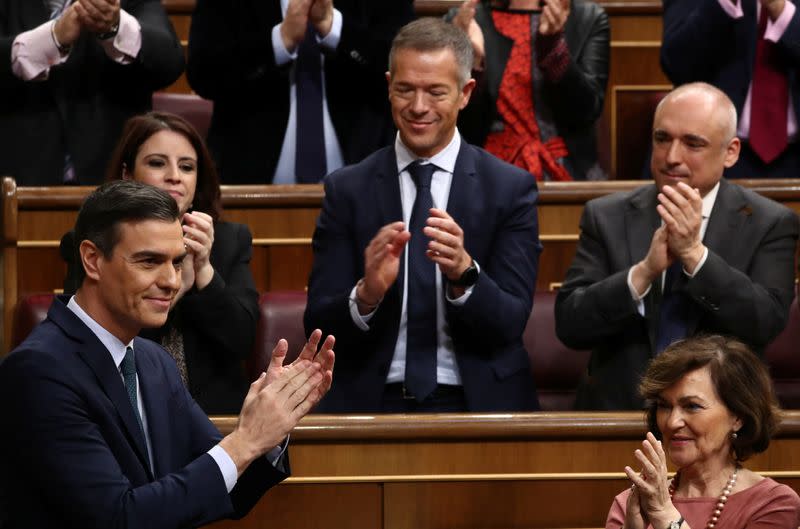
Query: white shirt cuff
[[282, 55], [635, 295], [699, 264], [331, 40], [460, 300], [226, 466], [361, 320]]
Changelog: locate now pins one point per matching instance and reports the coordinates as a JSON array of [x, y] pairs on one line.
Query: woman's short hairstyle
[[740, 379], [138, 130]]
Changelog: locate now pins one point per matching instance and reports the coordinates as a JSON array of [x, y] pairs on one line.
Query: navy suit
[[76, 456], [495, 205], [703, 43]]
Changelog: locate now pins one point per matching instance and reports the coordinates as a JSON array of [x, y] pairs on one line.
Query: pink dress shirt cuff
[[34, 52], [734, 10], [125, 46], [776, 28]]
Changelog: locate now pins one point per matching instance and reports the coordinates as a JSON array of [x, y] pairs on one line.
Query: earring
[[734, 435]]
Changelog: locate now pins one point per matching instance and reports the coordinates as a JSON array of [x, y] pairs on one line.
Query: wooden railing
[[540, 470], [282, 220]]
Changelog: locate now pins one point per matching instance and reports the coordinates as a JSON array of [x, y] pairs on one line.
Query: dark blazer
[[218, 323], [495, 205], [576, 101], [79, 457], [702, 43], [744, 289], [81, 107], [232, 62]]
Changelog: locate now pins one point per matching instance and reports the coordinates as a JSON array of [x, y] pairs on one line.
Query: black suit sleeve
[[501, 300], [753, 304], [594, 303], [160, 60], [225, 312], [577, 97]]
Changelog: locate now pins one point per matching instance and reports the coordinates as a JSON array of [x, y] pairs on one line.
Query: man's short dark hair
[[432, 34], [114, 203]]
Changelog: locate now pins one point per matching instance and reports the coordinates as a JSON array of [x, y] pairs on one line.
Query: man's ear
[[466, 93], [91, 258]]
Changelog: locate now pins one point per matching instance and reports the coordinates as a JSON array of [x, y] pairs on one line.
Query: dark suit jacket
[[218, 323], [232, 62], [744, 289], [702, 43], [80, 109], [77, 455], [576, 101], [495, 205]]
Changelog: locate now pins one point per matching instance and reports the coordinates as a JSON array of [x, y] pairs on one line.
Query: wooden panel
[[341, 506], [632, 123], [468, 471], [508, 504]]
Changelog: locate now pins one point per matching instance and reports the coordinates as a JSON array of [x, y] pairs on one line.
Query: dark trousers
[[444, 399]]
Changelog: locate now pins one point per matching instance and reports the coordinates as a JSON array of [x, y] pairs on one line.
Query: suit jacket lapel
[[641, 221], [386, 189], [727, 219], [463, 187], [100, 361]]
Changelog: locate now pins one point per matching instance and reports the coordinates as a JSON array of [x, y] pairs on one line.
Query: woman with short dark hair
[[711, 406], [212, 324]]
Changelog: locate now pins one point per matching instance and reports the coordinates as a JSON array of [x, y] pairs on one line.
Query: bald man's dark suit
[[744, 288]]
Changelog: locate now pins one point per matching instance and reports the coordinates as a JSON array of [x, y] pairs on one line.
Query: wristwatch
[[676, 524], [111, 33], [468, 278]]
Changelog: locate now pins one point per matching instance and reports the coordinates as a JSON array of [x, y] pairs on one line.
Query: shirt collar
[[709, 200], [445, 159], [111, 342]]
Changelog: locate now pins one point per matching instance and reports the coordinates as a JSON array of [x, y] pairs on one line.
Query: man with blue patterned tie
[[102, 430], [425, 253], [693, 253]]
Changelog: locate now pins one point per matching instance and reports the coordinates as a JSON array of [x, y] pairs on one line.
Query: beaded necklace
[[721, 501]]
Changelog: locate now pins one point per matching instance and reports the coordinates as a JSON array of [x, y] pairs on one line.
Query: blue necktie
[[128, 369], [421, 338], [310, 162], [672, 324]]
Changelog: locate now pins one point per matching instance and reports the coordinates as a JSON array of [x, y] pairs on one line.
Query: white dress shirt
[[446, 365], [285, 170]]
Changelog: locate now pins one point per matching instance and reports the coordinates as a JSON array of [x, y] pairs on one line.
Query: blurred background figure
[[281, 71], [711, 406], [541, 67], [71, 73], [749, 49], [211, 326]]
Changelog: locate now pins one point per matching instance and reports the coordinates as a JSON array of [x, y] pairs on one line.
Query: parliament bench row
[[557, 369]]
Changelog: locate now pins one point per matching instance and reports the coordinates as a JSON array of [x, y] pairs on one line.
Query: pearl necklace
[[721, 501]]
